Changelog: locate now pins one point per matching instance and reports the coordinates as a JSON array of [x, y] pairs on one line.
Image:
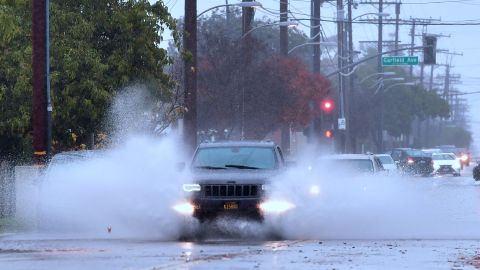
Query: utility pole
[[190, 75], [227, 11], [380, 76], [247, 20], [340, 56], [315, 34], [397, 23], [350, 141], [42, 108], [412, 43], [284, 51]]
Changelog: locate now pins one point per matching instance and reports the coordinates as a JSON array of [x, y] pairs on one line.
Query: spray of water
[[131, 188], [350, 206], [125, 191]]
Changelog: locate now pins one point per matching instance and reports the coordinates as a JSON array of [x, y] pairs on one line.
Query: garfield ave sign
[[399, 60]]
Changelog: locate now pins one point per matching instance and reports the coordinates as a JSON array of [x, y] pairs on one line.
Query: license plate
[[230, 205], [422, 161]]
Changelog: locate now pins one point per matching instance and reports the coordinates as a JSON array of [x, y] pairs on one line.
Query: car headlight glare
[[275, 206], [191, 187], [185, 208]]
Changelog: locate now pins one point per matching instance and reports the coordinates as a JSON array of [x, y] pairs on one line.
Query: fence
[[7, 190]]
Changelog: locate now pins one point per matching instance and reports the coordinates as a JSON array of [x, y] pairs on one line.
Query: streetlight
[[379, 14], [313, 43], [285, 23], [397, 84], [381, 81], [393, 85], [252, 4], [387, 73]]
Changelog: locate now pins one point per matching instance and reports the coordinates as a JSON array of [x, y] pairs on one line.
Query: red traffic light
[[327, 105], [328, 134]]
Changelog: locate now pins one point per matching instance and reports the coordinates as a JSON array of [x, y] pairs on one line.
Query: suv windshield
[[235, 157]]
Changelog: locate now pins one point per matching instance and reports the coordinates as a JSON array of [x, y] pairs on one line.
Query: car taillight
[[410, 161]]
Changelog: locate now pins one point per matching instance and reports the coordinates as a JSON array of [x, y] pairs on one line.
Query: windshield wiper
[[241, 167], [210, 167]]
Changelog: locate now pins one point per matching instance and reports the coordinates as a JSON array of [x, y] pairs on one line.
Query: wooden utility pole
[[380, 77], [397, 23], [340, 61], [315, 34], [350, 140], [41, 109], [247, 20], [190, 75], [284, 51]]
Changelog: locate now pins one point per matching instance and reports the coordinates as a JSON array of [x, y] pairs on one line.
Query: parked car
[[387, 162], [412, 161], [230, 179], [446, 163]]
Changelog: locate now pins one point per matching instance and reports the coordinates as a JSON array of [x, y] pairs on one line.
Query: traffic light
[[328, 133], [327, 105], [429, 50]]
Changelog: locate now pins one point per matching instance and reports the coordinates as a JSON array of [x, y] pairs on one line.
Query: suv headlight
[[191, 187]]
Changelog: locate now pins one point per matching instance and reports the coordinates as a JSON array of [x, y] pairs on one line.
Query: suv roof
[[238, 144]]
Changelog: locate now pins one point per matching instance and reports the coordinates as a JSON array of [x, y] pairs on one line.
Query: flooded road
[[228, 254], [450, 242]]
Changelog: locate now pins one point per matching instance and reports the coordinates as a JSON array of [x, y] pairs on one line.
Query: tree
[[402, 103], [259, 94], [97, 48], [15, 76]]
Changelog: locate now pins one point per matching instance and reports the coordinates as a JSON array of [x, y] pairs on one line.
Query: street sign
[[342, 124], [399, 60]]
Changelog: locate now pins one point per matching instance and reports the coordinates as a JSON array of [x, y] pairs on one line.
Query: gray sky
[[464, 39]]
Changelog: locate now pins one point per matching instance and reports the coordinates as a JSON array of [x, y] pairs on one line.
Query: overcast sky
[[464, 39]]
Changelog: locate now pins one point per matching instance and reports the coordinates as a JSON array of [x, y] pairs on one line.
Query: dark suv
[[230, 178], [412, 161]]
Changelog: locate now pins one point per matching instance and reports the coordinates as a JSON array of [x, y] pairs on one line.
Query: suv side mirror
[[180, 166]]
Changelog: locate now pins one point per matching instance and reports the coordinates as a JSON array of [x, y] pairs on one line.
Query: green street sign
[[399, 60]]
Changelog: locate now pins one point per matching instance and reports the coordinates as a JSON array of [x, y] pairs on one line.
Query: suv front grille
[[231, 190]]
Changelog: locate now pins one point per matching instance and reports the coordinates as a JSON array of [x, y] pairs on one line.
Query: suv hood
[[234, 176]]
